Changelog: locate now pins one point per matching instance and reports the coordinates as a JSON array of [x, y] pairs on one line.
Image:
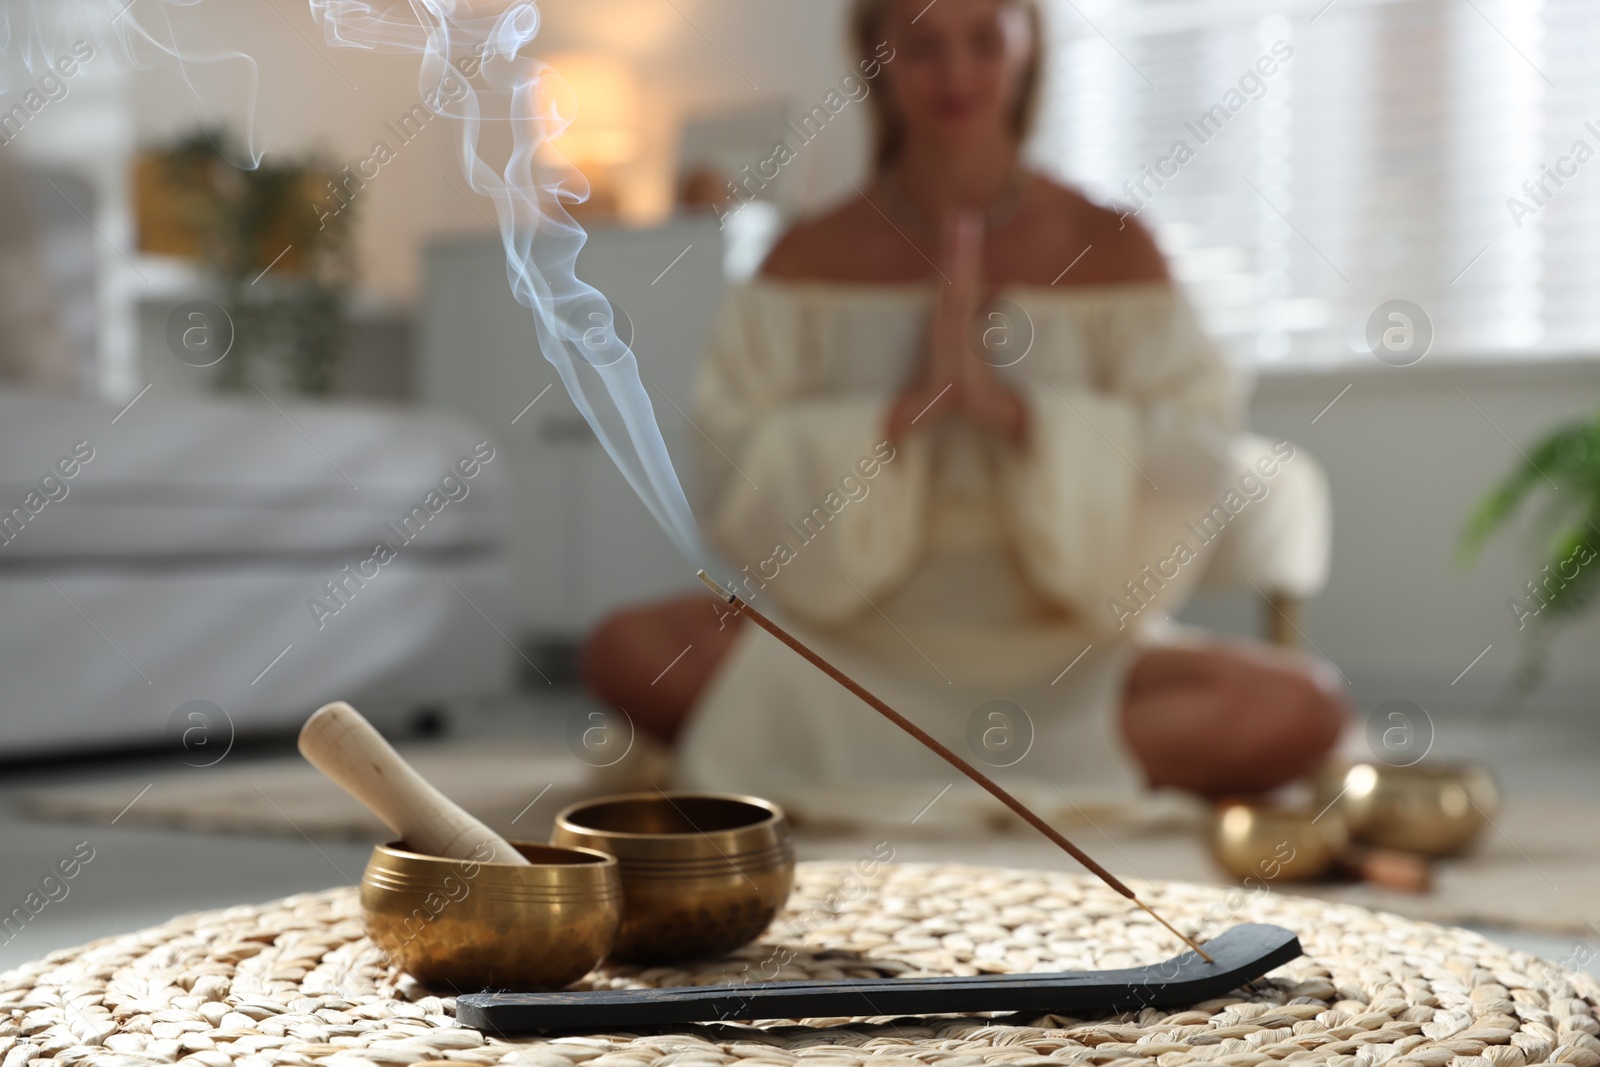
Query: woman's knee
[[1218, 720], [611, 641], [1283, 719], [622, 645], [658, 653]]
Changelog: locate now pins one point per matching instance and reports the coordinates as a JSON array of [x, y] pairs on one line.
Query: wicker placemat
[[296, 982]]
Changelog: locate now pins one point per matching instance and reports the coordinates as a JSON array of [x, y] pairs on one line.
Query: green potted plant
[[1562, 470], [283, 266]]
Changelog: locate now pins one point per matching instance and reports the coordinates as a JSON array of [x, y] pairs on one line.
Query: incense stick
[[947, 755]]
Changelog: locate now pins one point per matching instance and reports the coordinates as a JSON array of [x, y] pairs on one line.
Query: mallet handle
[[343, 745]]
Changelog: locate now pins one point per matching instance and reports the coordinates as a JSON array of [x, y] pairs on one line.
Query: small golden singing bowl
[[1434, 809], [702, 873], [468, 926], [1275, 844]]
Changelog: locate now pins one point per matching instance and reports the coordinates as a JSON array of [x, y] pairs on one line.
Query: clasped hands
[[954, 380]]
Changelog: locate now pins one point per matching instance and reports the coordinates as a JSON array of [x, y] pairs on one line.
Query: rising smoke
[[573, 320]]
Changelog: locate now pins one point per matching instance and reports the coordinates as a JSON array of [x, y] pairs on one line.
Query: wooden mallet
[[343, 745]]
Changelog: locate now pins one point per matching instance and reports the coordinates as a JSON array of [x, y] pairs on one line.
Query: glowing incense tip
[[711, 584]]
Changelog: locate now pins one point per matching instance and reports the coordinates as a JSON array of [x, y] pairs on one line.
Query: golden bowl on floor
[[468, 926], [1265, 843], [702, 873], [1434, 809]]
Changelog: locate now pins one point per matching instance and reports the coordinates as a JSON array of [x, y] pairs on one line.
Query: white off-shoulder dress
[[955, 570]]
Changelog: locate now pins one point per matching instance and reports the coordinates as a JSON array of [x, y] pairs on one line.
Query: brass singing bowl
[[467, 926], [702, 873], [1433, 809], [1271, 844]]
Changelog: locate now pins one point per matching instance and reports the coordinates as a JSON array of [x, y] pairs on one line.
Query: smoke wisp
[[530, 191]]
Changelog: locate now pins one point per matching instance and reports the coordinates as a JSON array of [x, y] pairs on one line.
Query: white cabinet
[[583, 542]]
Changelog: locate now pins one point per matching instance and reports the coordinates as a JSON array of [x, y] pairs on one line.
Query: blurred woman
[[956, 432]]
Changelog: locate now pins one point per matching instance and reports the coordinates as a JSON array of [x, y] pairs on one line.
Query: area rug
[[296, 982], [1533, 870], [515, 786]]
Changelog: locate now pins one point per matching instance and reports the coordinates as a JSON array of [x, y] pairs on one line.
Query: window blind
[[1303, 164]]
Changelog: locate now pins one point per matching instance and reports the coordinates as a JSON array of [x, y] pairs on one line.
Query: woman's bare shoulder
[[1116, 248], [1056, 225]]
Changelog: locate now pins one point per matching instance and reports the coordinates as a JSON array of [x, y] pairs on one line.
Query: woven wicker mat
[[296, 982]]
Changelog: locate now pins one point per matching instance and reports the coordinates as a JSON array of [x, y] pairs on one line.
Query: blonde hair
[[888, 135]]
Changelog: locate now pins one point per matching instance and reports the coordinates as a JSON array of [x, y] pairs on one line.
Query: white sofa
[[184, 560]]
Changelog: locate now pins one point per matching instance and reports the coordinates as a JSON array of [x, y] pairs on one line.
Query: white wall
[[1408, 455]]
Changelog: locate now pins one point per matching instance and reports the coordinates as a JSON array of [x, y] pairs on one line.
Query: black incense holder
[[1240, 954]]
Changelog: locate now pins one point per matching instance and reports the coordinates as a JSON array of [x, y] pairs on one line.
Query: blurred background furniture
[[182, 560], [180, 563]]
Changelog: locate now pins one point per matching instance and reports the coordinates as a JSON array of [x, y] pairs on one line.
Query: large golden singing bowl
[[702, 873], [1263, 843], [468, 926], [1432, 809]]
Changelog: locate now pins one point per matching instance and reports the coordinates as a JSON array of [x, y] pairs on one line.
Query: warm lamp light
[[598, 98]]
